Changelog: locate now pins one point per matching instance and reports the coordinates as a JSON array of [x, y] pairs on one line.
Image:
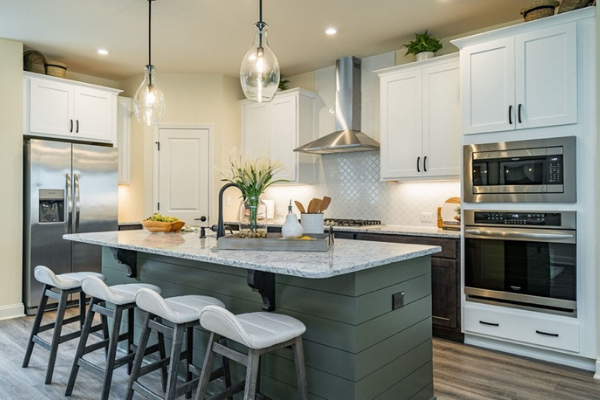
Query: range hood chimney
[[347, 137]]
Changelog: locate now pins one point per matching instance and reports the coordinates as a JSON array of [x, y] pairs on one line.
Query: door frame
[[155, 158]]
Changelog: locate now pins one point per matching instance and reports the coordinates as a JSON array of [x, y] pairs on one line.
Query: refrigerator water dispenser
[[52, 205]]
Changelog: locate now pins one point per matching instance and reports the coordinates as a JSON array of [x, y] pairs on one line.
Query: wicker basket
[[539, 9], [56, 68], [34, 61]]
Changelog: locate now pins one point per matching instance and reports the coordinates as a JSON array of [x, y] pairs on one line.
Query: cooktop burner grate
[[350, 222]]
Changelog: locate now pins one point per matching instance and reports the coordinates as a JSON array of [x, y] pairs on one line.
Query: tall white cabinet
[[527, 80], [420, 120], [65, 109], [276, 128]]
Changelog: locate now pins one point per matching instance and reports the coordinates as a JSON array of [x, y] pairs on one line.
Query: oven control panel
[[517, 218]]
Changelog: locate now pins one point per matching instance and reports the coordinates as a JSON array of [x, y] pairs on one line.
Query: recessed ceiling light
[[331, 31], [103, 52]]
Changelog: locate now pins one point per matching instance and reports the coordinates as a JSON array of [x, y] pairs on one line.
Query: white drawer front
[[521, 326]]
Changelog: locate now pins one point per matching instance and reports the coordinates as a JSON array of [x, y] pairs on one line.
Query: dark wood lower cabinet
[[445, 279]]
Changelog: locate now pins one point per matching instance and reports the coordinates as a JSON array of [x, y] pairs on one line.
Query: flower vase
[[253, 218]]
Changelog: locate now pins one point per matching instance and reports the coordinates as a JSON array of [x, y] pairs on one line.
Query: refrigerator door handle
[[76, 181], [69, 205]]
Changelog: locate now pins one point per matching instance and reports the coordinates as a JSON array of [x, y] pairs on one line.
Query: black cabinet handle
[[510, 115], [71, 128], [489, 323], [519, 111], [77, 126], [418, 164], [546, 333], [425, 164]]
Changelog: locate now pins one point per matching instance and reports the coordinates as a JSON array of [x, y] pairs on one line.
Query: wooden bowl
[[158, 226]]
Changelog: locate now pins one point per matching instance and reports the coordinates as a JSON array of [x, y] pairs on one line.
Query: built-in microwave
[[527, 171]]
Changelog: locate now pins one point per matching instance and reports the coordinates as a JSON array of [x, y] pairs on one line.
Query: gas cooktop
[[350, 222]]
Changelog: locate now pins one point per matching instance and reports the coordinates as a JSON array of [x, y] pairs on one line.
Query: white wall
[[11, 165]]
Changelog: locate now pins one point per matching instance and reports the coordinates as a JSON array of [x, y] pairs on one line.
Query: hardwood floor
[[460, 372]]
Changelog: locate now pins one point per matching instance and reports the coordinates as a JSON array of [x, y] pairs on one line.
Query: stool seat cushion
[[179, 309], [116, 294], [255, 330], [66, 281]]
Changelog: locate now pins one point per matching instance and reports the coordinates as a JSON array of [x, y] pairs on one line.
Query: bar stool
[[261, 332], [123, 299], [183, 312], [58, 287]]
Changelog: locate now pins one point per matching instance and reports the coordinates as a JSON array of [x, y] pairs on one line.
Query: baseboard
[[11, 311], [587, 364]]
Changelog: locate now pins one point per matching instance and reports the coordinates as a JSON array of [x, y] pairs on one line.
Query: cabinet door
[[401, 125], [546, 80], [124, 139], [284, 135], [444, 289], [51, 107], [441, 120], [488, 84], [256, 128], [95, 114]]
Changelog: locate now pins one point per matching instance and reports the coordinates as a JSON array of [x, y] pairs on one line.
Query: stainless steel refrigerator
[[68, 188]]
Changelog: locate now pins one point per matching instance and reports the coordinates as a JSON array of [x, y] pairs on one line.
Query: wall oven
[[527, 171], [523, 259]]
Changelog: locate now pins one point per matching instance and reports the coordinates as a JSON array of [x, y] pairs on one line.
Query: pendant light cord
[[150, 32], [260, 24]]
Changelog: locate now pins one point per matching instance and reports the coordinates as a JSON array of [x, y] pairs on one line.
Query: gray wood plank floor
[[460, 372]]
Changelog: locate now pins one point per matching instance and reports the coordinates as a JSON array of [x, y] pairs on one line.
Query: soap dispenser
[[291, 228]]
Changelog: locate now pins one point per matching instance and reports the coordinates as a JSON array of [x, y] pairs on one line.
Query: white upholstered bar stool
[[58, 287], [183, 313], [261, 332], [123, 299]]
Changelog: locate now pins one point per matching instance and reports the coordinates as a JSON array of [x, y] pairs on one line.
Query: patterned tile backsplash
[[352, 179]]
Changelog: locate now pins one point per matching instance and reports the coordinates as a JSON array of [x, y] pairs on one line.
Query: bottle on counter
[[291, 228]]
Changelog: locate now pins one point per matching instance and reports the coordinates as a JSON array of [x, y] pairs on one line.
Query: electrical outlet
[[397, 300], [228, 201], [426, 217]]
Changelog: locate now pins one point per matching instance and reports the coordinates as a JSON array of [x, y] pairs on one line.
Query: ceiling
[[211, 36]]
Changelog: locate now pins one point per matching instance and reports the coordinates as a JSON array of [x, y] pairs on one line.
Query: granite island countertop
[[345, 256]]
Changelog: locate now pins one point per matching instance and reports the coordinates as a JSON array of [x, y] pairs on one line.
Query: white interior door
[[183, 184]]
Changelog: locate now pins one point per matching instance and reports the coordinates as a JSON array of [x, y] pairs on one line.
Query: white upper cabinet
[[420, 120], [60, 108], [124, 111], [276, 128], [519, 77]]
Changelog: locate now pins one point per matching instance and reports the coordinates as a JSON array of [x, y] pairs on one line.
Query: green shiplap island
[[366, 305]]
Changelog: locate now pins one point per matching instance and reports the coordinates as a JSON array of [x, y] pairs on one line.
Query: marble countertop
[[345, 256]]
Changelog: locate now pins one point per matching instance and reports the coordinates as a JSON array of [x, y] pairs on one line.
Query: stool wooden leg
[[163, 354], [139, 356], [85, 333], [60, 314], [176, 346], [252, 371], [130, 321], [207, 366], [82, 308], [226, 367], [112, 351], [189, 347], [36, 326], [298, 350]]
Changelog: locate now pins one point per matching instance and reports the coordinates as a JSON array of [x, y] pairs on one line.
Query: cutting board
[[448, 215]]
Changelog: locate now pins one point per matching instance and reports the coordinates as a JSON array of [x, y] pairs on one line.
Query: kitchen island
[[366, 305]]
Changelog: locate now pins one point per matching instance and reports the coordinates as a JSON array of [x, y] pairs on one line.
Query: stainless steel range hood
[[347, 137]]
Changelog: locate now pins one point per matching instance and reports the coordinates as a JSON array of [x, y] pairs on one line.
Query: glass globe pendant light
[[259, 73], [149, 102]]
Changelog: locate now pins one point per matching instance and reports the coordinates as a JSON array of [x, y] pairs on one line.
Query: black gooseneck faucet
[[220, 228]]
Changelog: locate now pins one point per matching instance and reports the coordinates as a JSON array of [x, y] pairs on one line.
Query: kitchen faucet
[[220, 228]]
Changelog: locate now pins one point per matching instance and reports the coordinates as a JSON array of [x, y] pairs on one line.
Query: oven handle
[[520, 235]]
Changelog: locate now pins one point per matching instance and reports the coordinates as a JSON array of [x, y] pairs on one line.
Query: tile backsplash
[[352, 179]]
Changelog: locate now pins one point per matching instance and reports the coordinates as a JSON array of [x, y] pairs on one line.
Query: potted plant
[[424, 46], [283, 84]]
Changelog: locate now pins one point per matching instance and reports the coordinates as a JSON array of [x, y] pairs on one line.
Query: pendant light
[[149, 102], [259, 73]]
